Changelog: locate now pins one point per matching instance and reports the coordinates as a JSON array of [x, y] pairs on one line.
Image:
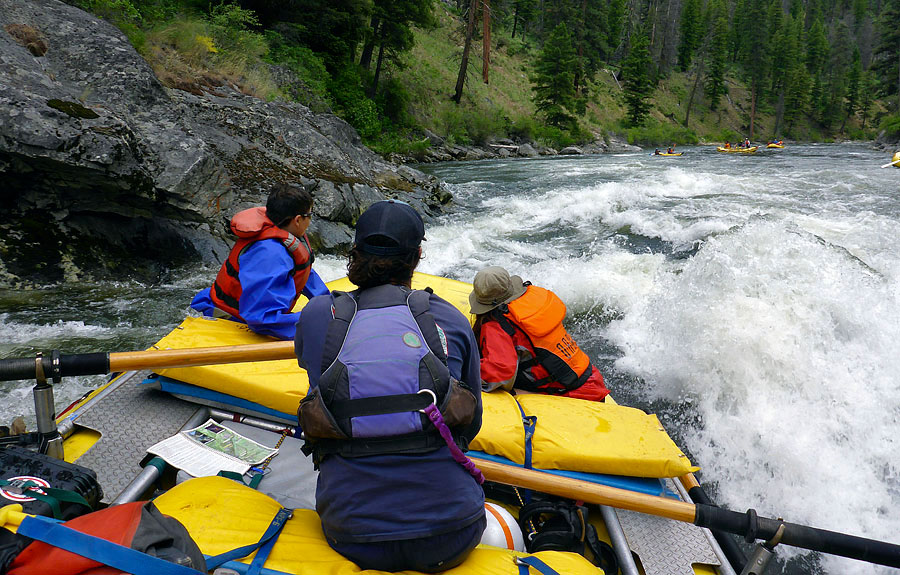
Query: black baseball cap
[[389, 228]]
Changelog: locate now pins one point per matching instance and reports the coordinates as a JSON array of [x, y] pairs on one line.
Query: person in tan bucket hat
[[519, 327]]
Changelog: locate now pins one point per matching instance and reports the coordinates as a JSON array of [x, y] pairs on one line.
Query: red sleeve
[[499, 361]]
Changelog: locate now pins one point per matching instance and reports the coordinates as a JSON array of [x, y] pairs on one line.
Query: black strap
[[227, 299], [420, 306], [604, 555], [379, 405], [358, 447]]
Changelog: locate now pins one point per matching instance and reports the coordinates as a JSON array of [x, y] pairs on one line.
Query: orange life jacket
[[539, 314], [252, 226]]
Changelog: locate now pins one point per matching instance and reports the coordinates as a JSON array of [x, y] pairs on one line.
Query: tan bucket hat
[[492, 287]]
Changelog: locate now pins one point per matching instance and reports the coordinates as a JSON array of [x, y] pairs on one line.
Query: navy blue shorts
[[427, 554]]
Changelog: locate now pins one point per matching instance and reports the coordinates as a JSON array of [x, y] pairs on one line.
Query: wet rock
[[526, 150], [102, 164]]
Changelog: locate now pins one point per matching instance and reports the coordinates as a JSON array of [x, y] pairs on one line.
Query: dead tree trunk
[[486, 39], [464, 64]]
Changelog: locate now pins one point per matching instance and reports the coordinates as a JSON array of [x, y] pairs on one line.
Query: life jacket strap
[[51, 496], [421, 442], [98, 549], [525, 563], [379, 405], [265, 544]]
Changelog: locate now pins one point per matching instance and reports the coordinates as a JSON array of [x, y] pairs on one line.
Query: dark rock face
[[104, 171]]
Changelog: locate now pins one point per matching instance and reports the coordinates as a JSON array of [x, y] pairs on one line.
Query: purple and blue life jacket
[[384, 361]]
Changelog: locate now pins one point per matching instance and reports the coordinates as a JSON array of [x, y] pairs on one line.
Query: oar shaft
[[102, 363], [134, 360], [802, 536], [586, 491], [702, 515]]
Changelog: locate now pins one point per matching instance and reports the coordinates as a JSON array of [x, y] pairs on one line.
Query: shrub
[[891, 126], [554, 137], [655, 133], [393, 101]]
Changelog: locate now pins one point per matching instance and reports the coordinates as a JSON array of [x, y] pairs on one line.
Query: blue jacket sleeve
[[268, 289], [314, 285], [203, 303]]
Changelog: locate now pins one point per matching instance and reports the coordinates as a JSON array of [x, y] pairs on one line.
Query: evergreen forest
[[558, 72]]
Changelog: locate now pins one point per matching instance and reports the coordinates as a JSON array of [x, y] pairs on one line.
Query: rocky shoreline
[[109, 174], [441, 151]]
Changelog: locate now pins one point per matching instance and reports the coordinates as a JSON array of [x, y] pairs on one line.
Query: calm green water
[[750, 301]]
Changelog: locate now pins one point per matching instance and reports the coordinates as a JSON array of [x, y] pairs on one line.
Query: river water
[[753, 302]]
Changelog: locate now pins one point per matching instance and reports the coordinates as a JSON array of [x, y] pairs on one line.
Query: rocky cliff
[[104, 171]]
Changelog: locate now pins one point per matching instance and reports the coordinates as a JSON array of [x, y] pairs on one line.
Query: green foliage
[[113, 10], [554, 78], [232, 28], [691, 32], [352, 104], [393, 102], [891, 126], [656, 133], [306, 64], [554, 137], [638, 89]]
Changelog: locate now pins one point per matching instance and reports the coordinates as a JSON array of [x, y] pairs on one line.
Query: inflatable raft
[[750, 150], [585, 444]]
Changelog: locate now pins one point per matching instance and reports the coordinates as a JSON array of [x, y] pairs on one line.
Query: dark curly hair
[[368, 270]]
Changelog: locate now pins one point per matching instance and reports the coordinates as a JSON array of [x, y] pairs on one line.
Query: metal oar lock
[[763, 553], [45, 407]]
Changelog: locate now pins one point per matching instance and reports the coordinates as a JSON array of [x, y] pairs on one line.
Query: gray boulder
[[106, 172]]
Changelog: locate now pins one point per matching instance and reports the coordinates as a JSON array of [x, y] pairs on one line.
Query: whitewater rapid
[[753, 302]]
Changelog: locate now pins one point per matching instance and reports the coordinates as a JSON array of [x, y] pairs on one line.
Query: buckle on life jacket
[[433, 397]]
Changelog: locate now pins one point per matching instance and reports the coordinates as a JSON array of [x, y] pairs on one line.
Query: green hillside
[[390, 67]]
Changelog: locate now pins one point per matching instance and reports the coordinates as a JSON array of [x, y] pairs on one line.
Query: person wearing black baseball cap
[[388, 366]]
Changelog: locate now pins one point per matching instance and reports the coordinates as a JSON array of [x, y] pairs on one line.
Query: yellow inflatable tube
[[571, 434], [221, 515]]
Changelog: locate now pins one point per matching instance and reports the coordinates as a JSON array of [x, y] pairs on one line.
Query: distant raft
[[750, 150]]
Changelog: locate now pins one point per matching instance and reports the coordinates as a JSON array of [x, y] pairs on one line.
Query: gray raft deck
[[131, 417]]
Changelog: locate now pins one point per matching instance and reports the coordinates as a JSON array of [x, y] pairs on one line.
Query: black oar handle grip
[[870, 550], [65, 365]]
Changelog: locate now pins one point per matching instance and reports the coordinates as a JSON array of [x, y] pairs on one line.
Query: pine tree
[[886, 63], [714, 85], [691, 33], [636, 72], [851, 97], [755, 56], [554, 78]]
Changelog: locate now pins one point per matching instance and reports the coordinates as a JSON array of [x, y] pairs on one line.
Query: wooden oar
[[102, 363], [746, 524], [894, 163]]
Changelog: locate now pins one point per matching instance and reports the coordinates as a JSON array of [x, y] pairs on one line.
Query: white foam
[[790, 351]]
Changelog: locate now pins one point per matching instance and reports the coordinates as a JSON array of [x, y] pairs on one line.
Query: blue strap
[[525, 562], [264, 544], [529, 422], [100, 550]]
